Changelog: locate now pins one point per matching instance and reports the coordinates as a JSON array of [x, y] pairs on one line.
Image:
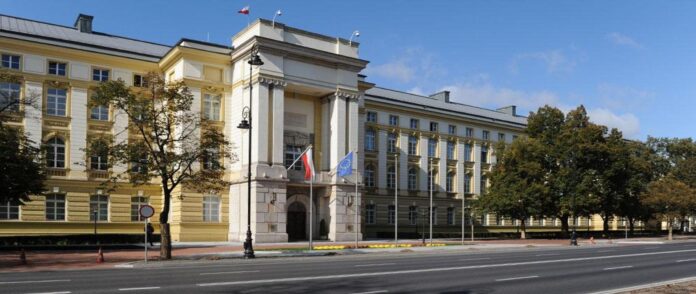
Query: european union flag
[[345, 167]]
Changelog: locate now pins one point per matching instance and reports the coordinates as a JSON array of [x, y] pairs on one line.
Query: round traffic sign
[[147, 211]]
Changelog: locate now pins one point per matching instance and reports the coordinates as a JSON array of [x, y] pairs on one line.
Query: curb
[[646, 286]]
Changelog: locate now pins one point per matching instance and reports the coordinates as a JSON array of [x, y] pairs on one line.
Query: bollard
[[100, 256], [23, 257]]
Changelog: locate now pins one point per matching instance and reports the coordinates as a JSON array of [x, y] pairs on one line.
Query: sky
[[630, 63]]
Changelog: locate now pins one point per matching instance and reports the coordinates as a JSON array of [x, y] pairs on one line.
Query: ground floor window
[[450, 216], [99, 207], [211, 209], [412, 215], [136, 203], [391, 216], [370, 214], [9, 211], [55, 207]]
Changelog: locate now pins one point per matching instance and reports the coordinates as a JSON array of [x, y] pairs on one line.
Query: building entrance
[[296, 222]]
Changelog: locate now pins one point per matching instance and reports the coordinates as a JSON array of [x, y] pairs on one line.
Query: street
[[529, 270]]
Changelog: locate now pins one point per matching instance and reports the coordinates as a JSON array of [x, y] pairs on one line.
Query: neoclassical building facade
[[309, 91]]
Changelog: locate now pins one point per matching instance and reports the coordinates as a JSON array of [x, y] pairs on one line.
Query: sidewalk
[[73, 260]]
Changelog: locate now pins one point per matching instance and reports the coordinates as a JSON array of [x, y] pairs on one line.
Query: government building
[[309, 91]]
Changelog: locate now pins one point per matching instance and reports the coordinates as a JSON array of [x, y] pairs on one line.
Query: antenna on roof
[[355, 34], [278, 13]]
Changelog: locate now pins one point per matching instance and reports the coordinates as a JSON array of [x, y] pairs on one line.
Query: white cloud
[[622, 97], [623, 40], [395, 70], [487, 95], [555, 61], [404, 66], [626, 122]]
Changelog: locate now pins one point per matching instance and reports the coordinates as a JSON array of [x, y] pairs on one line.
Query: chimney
[[510, 110], [442, 96], [83, 23]]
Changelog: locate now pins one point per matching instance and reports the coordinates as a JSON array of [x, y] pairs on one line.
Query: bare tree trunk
[[523, 230], [669, 230], [165, 233], [564, 224], [605, 224], [631, 225]]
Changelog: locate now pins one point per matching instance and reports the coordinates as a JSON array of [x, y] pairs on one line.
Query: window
[[391, 143], [100, 112], [467, 152], [211, 159], [100, 75], [139, 163], [484, 183], [452, 130], [434, 216], [56, 102], [136, 203], [485, 135], [99, 159], [391, 177], [391, 215], [140, 81], [450, 216], [450, 150], [371, 117], [449, 182], [211, 209], [9, 95], [432, 147], [291, 154], [501, 137], [100, 204], [370, 140], [57, 68], [412, 179], [55, 207], [469, 132], [393, 120], [211, 107], [10, 61], [433, 126], [412, 215], [369, 176], [484, 154], [9, 211], [412, 145], [370, 214], [55, 155], [467, 183], [414, 123], [432, 175]]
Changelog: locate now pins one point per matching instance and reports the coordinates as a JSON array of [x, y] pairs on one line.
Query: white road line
[[617, 267], [29, 282], [138, 289], [645, 286], [374, 264], [472, 259], [442, 269], [516, 278], [372, 292], [685, 260], [62, 292], [223, 273], [548, 254]]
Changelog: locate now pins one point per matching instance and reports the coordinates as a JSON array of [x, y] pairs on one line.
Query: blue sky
[[631, 63]]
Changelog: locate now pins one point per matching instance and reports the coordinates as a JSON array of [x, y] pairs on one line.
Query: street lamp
[[96, 238], [246, 125]]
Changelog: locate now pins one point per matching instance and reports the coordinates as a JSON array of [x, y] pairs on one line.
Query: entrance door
[[297, 220]]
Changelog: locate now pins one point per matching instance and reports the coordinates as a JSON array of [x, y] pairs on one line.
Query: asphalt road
[[530, 270]]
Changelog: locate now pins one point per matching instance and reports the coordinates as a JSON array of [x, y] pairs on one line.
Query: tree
[[175, 146], [22, 170], [517, 182], [670, 199]]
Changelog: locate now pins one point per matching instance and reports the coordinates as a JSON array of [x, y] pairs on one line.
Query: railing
[[57, 172]]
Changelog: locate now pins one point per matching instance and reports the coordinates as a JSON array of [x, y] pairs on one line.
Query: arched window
[[370, 140], [55, 155], [391, 177], [412, 179], [369, 176], [449, 182]]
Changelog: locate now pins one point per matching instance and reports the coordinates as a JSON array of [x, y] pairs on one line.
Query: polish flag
[[244, 10], [308, 164]]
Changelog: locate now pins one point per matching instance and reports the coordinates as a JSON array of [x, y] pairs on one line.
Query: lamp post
[[96, 239], [246, 124]]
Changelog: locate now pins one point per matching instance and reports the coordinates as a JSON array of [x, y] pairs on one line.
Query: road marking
[[372, 292], [139, 288], [374, 264], [63, 292], [222, 273], [547, 254], [645, 286], [312, 278], [516, 278], [685, 260], [617, 267], [28, 282], [472, 259]]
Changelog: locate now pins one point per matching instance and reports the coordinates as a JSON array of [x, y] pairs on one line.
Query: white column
[[32, 114], [259, 139], [195, 108], [403, 162], [120, 131], [278, 124], [442, 168], [476, 177], [381, 159], [353, 127], [337, 110], [326, 103], [78, 132], [461, 169], [423, 152]]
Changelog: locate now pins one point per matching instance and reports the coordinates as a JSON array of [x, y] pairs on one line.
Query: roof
[[452, 108], [72, 37]]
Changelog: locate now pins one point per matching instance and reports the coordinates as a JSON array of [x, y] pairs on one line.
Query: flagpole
[[311, 215], [432, 179], [357, 205], [396, 199]]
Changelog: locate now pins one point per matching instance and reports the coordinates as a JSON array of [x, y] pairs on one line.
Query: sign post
[[146, 211]]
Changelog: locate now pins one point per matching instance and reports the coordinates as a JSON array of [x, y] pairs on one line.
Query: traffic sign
[[147, 211]]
